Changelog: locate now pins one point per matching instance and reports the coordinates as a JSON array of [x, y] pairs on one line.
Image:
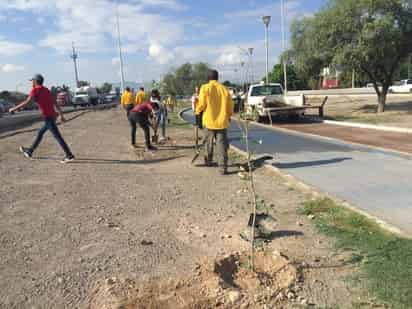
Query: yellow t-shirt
[[216, 104], [127, 98], [139, 97]]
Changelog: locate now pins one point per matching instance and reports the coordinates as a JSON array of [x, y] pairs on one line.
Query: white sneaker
[[67, 160]]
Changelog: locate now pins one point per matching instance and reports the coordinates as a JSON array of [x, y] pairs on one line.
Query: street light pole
[[250, 49], [285, 74], [243, 74], [120, 48], [74, 56], [266, 21]]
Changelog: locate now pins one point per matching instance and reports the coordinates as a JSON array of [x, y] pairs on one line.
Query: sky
[[157, 35]]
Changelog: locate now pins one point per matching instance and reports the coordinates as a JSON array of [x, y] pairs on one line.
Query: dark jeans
[[129, 108], [222, 145], [50, 124], [143, 121]]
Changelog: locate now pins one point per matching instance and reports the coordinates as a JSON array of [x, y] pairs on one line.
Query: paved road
[[375, 181]]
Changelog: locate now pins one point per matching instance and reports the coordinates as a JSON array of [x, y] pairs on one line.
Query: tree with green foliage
[[229, 84], [294, 83], [105, 88], [83, 83], [184, 79], [370, 36]]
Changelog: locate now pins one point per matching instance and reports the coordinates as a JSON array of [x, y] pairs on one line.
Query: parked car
[[370, 85], [110, 97], [404, 86], [5, 106], [3, 109], [85, 96]]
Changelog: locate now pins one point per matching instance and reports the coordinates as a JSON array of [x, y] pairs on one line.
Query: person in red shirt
[[140, 115], [46, 103]]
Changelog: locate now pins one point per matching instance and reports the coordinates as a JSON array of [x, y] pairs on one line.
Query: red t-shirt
[[44, 100], [144, 108]]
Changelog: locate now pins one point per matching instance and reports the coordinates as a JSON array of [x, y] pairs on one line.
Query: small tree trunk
[[381, 102]]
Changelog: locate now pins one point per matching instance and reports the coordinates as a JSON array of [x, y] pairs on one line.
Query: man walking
[[44, 99], [216, 104], [127, 100], [140, 96]]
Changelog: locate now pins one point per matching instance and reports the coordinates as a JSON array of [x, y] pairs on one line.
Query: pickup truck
[[405, 86], [268, 100]]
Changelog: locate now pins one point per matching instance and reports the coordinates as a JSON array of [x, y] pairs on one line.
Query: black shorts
[[199, 122]]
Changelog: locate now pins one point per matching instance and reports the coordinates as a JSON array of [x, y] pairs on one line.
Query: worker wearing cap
[[47, 104], [127, 100], [140, 96], [216, 104]]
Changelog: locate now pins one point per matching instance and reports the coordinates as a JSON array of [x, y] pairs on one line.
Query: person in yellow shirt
[[127, 100], [216, 104], [140, 96], [171, 102]]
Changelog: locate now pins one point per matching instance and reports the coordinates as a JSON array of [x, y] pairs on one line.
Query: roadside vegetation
[[372, 38], [385, 260]]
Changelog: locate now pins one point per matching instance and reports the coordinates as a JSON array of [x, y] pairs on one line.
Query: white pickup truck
[[269, 100], [405, 86]]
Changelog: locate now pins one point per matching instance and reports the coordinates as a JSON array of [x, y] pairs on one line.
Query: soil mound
[[226, 282]]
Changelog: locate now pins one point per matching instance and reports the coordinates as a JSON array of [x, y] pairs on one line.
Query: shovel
[[197, 148]]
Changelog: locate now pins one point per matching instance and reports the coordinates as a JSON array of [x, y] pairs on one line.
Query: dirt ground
[[119, 227], [362, 108]]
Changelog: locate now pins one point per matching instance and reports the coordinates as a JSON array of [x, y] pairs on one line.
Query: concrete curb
[[316, 192], [369, 126]]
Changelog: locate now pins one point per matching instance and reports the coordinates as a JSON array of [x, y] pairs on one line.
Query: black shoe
[[223, 171], [26, 152], [67, 159], [151, 148], [207, 162]]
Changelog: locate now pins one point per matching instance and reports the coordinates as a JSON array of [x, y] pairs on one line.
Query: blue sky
[[157, 35]]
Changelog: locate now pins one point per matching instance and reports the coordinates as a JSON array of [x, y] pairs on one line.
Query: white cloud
[[7, 68], [92, 23], [161, 54], [8, 48]]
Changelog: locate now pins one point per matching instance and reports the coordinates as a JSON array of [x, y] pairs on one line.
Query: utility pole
[[266, 22], [250, 50], [242, 74], [120, 48], [74, 56], [285, 76]]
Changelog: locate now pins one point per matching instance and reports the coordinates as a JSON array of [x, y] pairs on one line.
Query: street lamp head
[[266, 20], [250, 49]]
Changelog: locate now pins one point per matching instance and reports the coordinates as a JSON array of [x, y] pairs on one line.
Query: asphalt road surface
[[372, 180]]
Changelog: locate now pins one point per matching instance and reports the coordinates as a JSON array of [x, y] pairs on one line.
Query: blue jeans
[[161, 120], [50, 124]]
